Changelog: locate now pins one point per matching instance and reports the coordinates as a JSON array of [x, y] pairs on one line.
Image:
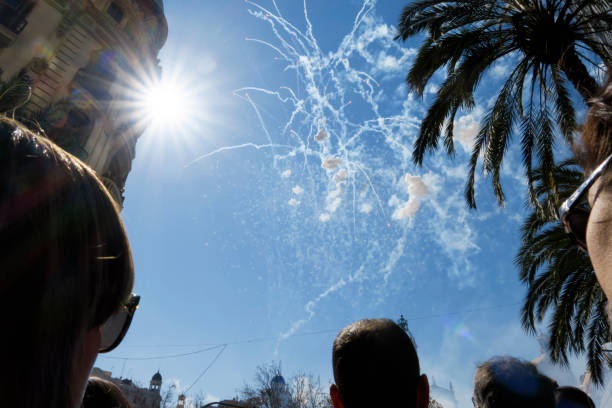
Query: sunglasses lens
[[576, 224], [112, 330]]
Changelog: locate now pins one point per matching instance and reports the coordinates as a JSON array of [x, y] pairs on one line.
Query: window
[[13, 14], [115, 12]]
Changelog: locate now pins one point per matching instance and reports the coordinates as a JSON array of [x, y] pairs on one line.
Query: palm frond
[[564, 109], [598, 334], [434, 54], [457, 90], [560, 280], [456, 31]]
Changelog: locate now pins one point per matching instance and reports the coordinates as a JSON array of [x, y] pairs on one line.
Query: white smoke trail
[[349, 151]]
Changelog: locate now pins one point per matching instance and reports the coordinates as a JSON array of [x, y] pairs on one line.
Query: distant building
[[139, 397], [81, 59], [280, 394], [445, 396]]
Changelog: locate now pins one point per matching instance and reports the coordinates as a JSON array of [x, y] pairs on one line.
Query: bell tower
[[156, 382]]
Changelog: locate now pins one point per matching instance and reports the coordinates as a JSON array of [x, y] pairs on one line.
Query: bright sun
[[167, 105]]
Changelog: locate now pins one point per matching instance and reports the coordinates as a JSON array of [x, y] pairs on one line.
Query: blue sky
[[247, 231]]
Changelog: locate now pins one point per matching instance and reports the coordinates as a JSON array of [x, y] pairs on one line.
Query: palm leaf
[[561, 284], [457, 31]]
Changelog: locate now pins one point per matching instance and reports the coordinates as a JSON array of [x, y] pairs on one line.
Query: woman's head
[[104, 394], [596, 148], [65, 266]]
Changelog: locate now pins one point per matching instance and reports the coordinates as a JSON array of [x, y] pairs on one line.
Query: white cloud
[[394, 201], [294, 203], [406, 210], [340, 176], [458, 172], [366, 208], [401, 91], [431, 88], [286, 173], [297, 190], [333, 204], [500, 70], [458, 240], [467, 127], [417, 190], [416, 186], [388, 63], [324, 217]]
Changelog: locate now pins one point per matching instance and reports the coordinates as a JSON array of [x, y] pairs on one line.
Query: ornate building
[[445, 396], [83, 59]]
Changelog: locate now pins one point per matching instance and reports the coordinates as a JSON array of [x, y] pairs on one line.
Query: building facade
[[445, 396], [85, 62]]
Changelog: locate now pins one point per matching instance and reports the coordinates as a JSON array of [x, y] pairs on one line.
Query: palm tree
[[552, 41], [561, 283]]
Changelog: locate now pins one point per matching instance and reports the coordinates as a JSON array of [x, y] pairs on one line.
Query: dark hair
[[65, 265], [104, 394], [507, 382], [371, 357], [574, 395], [596, 142]]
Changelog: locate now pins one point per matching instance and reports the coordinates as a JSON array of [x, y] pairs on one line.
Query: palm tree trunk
[[578, 74]]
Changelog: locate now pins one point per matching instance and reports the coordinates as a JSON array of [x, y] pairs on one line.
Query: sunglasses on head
[[115, 328], [574, 218]]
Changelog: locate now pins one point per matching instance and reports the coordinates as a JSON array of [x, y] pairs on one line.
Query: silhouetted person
[[376, 365], [572, 397], [507, 382], [103, 394], [66, 272]]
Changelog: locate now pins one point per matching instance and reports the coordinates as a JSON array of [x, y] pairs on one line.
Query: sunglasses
[[574, 218], [115, 328]]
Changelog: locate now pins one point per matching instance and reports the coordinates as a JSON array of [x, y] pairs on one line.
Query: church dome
[[278, 380], [156, 377]]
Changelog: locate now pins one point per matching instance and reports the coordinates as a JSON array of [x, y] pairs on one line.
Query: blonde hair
[[65, 264]]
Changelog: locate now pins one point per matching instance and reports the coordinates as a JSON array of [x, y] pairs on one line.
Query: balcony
[[95, 84]]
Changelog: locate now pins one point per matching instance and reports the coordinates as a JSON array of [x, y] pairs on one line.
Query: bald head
[[375, 364]]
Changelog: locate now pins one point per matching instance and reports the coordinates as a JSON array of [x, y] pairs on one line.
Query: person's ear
[[422, 392], [334, 393]]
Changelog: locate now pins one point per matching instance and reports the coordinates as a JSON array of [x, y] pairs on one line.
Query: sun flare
[[167, 105]]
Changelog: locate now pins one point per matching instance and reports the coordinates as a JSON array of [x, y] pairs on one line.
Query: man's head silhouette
[[507, 382], [375, 364]]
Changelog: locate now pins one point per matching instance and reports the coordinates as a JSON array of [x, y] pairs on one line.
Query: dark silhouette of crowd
[[66, 278]]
